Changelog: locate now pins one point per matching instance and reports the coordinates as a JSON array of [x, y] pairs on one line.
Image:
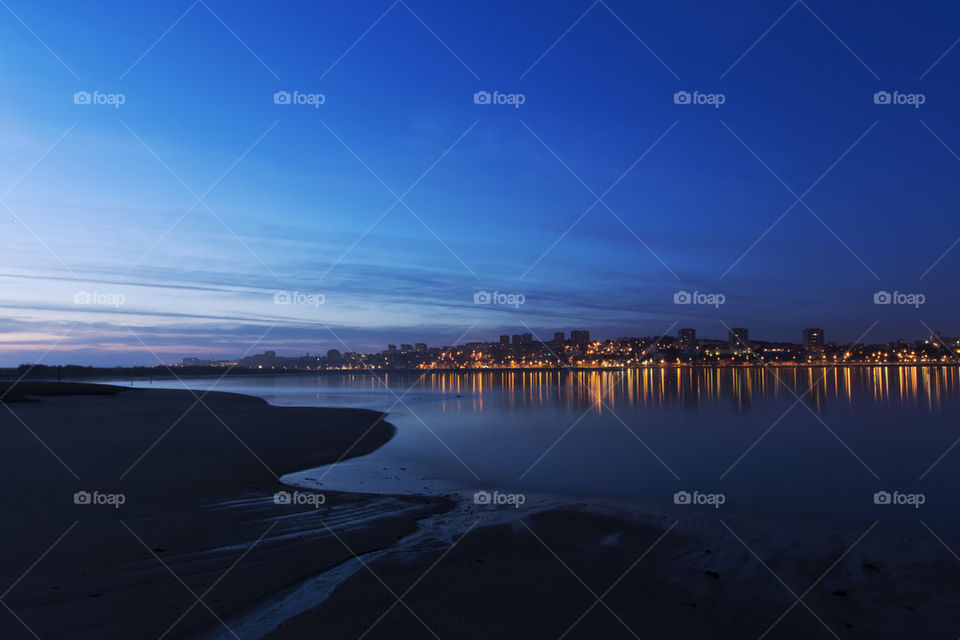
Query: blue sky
[[103, 200]]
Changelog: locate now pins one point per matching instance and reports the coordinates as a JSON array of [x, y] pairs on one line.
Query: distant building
[[813, 339], [516, 339], [687, 338], [406, 348], [505, 340], [580, 338], [420, 347], [526, 338], [269, 359], [938, 338], [559, 338], [391, 348], [739, 338], [333, 356]]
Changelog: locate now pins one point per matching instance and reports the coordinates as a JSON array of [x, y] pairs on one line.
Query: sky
[[210, 178]]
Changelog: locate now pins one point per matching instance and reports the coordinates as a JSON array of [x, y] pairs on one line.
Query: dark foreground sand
[[195, 503], [200, 505], [542, 576]]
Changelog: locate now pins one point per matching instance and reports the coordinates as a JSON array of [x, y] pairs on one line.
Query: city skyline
[[809, 339], [580, 350]]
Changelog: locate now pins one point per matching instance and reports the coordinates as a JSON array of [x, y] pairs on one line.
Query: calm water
[[643, 435]]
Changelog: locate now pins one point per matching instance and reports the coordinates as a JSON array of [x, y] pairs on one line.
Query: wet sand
[[586, 572], [193, 510]]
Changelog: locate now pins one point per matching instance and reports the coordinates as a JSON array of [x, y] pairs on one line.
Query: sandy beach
[[199, 548], [587, 571], [198, 516]]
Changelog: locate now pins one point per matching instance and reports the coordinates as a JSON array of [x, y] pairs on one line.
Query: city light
[[579, 352]]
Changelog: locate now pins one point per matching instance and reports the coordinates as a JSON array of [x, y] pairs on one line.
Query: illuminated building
[[739, 338], [813, 339]]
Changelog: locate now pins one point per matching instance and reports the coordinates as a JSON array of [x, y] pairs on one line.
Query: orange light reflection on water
[[907, 386]]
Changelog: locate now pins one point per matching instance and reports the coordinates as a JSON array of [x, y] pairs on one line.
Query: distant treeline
[[77, 372], [74, 372]]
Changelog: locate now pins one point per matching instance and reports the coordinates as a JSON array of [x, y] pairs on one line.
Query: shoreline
[[197, 513], [162, 372]]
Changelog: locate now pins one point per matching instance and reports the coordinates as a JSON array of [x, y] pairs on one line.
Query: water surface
[[785, 442]]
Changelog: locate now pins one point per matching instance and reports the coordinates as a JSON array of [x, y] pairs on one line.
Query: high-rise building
[[526, 338], [687, 338], [406, 348], [558, 337], [739, 338], [420, 347], [516, 339], [333, 356], [813, 339], [580, 338], [391, 348], [505, 340]]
